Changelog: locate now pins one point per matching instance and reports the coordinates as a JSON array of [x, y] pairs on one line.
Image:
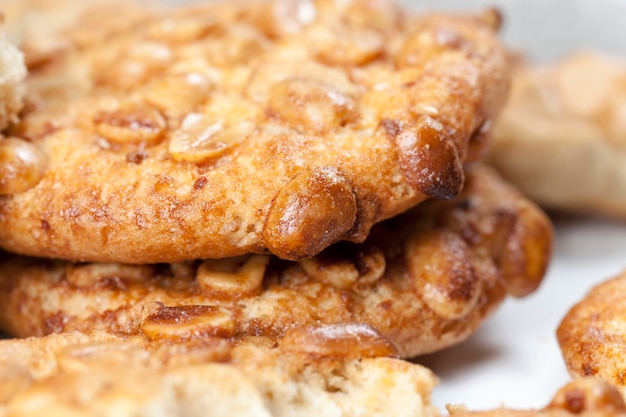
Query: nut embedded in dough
[[311, 211], [22, 165], [343, 340], [187, 322]]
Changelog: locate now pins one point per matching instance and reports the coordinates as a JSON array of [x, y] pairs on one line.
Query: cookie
[[45, 29], [592, 336], [12, 75], [104, 375], [589, 397], [221, 129], [562, 136], [425, 279]]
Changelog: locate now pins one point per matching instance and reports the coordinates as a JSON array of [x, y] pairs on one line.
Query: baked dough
[[101, 375], [592, 335], [221, 129], [425, 279]]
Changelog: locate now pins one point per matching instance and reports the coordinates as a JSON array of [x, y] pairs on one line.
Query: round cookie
[[222, 129], [425, 279], [100, 374], [592, 335], [561, 138]]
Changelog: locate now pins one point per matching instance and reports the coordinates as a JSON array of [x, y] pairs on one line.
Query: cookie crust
[[425, 279], [99, 374], [224, 129], [592, 336]]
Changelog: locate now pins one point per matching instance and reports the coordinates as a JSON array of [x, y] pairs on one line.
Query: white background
[[514, 359]]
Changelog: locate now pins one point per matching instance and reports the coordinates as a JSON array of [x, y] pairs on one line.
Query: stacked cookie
[[259, 200]]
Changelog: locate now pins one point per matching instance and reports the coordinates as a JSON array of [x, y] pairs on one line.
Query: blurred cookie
[[425, 279], [12, 75], [588, 397], [104, 375], [45, 29], [592, 335], [223, 129], [562, 136]]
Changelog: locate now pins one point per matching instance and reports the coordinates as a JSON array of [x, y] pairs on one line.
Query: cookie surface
[[562, 135], [224, 129], [425, 279], [104, 375], [592, 335]]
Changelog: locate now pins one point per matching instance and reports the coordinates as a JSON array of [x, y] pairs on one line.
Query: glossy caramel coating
[[425, 279], [22, 165], [592, 335], [100, 374], [221, 129]]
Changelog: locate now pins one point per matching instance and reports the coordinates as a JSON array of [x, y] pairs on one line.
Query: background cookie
[[562, 136], [12, 75], [43, 29], [104, 375], [589, 397], [425, 279], [218, 130], [592, 335]]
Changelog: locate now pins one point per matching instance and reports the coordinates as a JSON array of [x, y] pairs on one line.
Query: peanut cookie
[[562, 136], [583, 397], [592, 335], [425, 279], [221, 129], [104, 375]]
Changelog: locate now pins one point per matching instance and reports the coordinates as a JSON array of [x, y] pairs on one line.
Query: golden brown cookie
[[222, 129], [583, 397], [562, 136], [425, 279], [592, 335], [104, 375]]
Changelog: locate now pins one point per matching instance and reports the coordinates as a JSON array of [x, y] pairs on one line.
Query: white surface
[[514, 359]]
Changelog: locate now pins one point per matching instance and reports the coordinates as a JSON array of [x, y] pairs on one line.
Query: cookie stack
[[254, 208]]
